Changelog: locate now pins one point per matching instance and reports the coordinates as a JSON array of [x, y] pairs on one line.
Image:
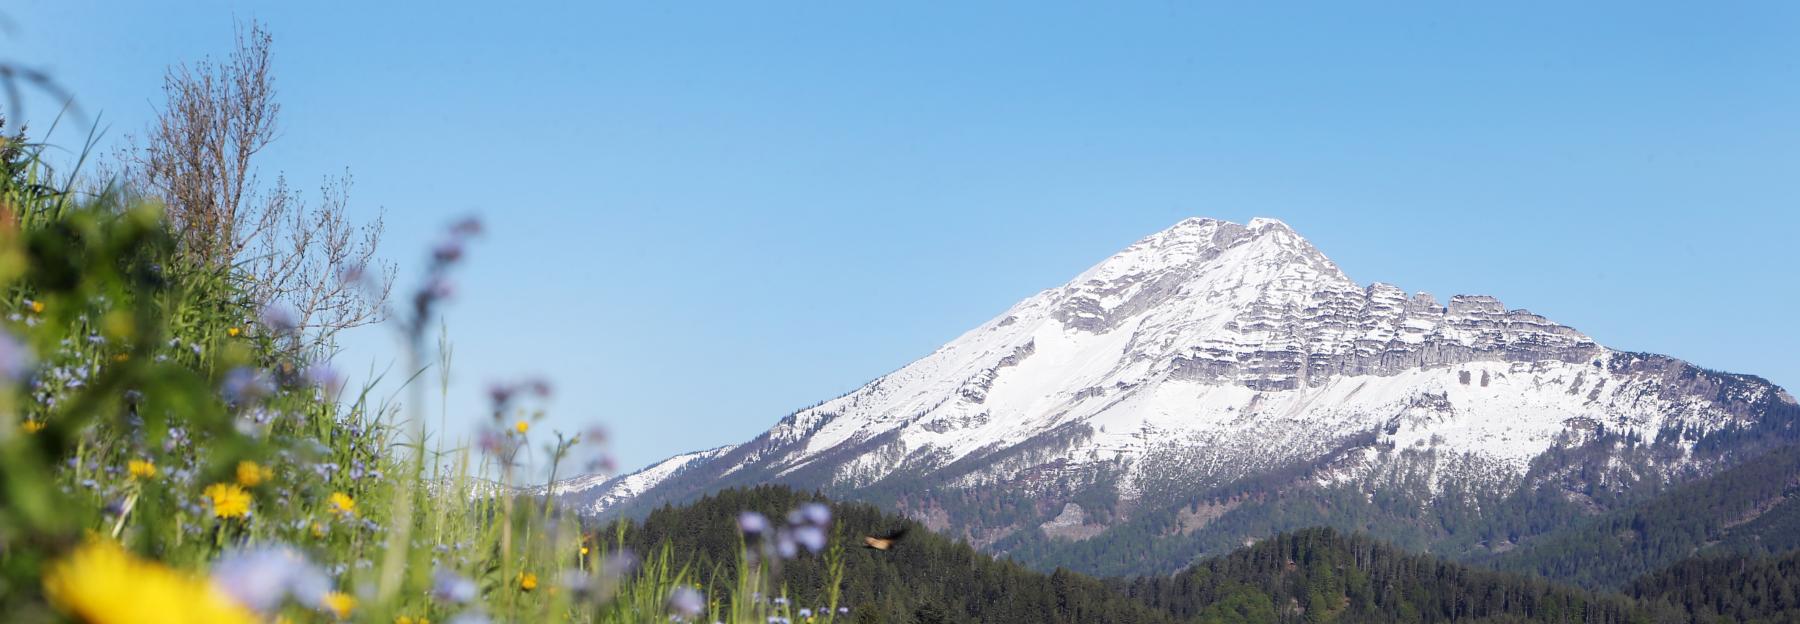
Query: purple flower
[[499, 394], [603, 464], [326, 379], [261, 578], [468, 226], [618, 564], [244, 383], [811, 537], [447, 251], [785, 545], [440, 288], [816, 514], [752, 524], [575, 581], [178, 437], [354, 274], [279, 319], [452, 587], [686, 601], [15, 358]]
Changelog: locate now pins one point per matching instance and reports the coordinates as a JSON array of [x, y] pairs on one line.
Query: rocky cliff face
[[1208, 353]]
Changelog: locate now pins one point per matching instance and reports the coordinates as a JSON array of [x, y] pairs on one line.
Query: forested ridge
[[1311, 575], [1748, 510], [924, 578]]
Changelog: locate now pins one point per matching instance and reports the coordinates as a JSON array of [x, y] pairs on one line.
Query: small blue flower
[[785, 545], [245, 384], [752, 524], [686, 601], [15, 358], [279, 319], [816, 514], [618, 564], [811, 537], [261, 578], [452, 587]]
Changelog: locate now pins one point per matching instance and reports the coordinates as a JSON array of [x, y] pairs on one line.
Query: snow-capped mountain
[[1204, 355]]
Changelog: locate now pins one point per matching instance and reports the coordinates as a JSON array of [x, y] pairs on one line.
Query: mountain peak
[[1198, 240], [1261, 223], [1207, 352]]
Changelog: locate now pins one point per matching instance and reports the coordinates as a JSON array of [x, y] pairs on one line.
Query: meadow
[[173, 452]]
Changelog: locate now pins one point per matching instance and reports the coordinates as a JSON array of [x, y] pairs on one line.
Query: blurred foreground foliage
[[171, 451]]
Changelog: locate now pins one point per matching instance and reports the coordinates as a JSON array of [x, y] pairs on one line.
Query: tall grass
[[138, 394]]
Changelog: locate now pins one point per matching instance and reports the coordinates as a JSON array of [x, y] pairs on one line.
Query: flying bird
[[885, 542]]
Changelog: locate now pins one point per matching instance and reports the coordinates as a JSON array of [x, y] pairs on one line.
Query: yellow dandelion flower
[[250, 475], [527, 581], [339, 604], [141, 469], [342, 503], [228, 500], [101, 583], [34, 426], [233, 332], [37, 307], [522, 427], [584, 551]]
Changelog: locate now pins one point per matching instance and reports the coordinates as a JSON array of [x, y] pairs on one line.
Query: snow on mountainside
[[1204, 353], [607, 491]]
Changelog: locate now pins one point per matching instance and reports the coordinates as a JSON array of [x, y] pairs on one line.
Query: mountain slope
[[1220, 368], [1751, 509]]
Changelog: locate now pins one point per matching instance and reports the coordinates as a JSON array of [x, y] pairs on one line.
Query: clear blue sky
[[703, 218]]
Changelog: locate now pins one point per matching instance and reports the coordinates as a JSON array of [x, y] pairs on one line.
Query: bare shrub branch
[[200, 158]]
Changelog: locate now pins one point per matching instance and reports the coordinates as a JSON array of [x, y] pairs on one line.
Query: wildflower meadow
[[173, 451]]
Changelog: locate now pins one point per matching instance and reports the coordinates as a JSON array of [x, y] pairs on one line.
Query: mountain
[[1217, 382]]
